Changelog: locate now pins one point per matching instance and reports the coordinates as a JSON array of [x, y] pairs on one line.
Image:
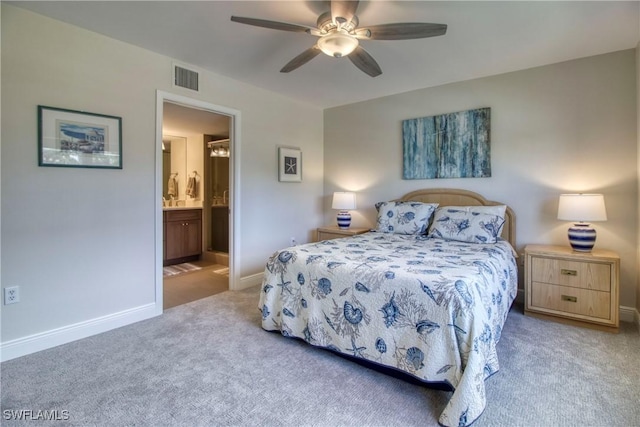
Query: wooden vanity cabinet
[[182, 235]]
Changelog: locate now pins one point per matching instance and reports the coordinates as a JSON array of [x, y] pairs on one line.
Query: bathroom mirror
[[174, 166]]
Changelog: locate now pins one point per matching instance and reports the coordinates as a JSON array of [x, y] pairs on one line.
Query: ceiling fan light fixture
[[337, 44], [339, 34]]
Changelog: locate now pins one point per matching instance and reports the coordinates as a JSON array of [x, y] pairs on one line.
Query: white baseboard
[[55, 337], [66, 334], [628, 314], [250, 281]]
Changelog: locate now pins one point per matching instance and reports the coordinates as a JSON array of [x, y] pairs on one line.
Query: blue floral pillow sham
[[404, 217], [466, 226], [493, 210]]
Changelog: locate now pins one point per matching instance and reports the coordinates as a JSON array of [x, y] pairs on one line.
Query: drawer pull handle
[[569, 298], [566, 272]]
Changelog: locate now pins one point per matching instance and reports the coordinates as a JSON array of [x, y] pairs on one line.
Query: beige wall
[[560, 128], [80, 243], [638, 134], [195, 163]]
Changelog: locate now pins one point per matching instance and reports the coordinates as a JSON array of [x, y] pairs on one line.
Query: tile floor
[[183, 288]]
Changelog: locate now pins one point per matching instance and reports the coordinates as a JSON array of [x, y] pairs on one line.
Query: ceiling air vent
[[184, 77]]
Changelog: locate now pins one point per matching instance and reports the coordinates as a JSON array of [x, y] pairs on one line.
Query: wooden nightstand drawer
[[579, 288], [563, 299], [333, 232], [587, 275], [323, 235]]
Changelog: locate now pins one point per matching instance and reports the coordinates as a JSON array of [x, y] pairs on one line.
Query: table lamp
[[344, 201], [580, 209]]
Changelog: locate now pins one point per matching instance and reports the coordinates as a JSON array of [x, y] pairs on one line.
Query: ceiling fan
[[339, 35]]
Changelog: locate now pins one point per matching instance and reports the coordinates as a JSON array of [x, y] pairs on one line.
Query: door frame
[[234, 186]]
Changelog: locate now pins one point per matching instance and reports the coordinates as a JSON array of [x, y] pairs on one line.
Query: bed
[[427, 293]]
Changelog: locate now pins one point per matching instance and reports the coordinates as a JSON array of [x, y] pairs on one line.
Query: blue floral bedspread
[[429, 307]]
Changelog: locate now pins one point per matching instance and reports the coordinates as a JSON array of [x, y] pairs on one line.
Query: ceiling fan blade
[[274, 25], [301, 59], [402, 31], [365, 62], [343, 9]]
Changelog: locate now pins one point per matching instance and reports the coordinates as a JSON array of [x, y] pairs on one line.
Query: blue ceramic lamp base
[[582, 237], [344, 219]]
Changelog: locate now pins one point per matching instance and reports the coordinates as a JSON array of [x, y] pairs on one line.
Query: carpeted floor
[[209, 363]]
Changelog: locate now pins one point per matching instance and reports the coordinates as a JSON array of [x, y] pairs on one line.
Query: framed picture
[[289, 164], [70, 138], [453, 145]]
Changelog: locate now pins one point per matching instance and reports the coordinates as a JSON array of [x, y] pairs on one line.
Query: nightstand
[[573, 287], [333, 232]]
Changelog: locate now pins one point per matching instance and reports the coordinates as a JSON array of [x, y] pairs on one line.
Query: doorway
[[205, 127]]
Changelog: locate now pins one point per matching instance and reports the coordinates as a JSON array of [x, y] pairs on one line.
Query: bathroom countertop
[[179, 208]]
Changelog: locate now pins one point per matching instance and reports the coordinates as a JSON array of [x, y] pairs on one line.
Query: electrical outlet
[[293, 241], [11, 295]]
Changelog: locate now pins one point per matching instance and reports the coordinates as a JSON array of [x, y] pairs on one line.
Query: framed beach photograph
[[289, 164], [69, 138]]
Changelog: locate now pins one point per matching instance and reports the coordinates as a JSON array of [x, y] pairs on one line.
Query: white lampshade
[[343, 200], [582, 207], [338, 44]]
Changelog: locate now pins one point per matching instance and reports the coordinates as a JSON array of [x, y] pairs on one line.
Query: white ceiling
[[483, 38]]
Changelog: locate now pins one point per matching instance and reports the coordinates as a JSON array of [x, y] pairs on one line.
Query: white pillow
[[451, 223], [404, 217]]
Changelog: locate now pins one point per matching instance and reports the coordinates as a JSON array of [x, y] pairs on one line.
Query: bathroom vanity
[[182, 234], [193, 221]]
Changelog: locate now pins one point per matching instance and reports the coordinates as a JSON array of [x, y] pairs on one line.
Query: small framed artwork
[[289, 164], [70, 138]]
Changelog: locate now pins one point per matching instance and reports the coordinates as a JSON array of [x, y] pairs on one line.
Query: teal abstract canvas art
[[453, 145]]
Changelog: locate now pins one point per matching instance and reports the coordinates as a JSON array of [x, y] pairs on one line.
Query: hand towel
[[191, 187], [172, 187]]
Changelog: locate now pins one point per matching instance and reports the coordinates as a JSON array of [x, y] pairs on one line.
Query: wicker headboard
[[453, 197]]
